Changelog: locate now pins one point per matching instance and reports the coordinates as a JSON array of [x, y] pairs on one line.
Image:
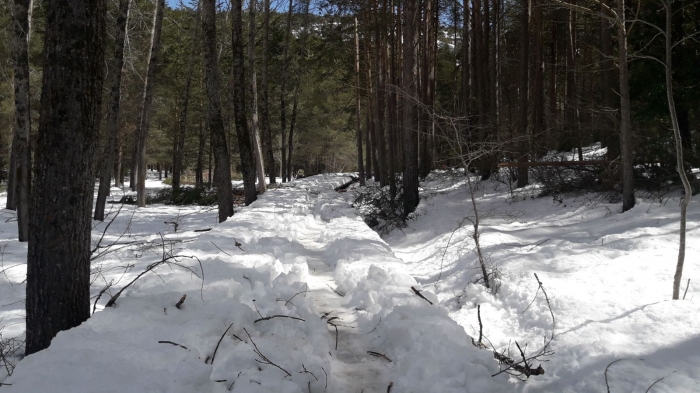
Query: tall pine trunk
[[625, 111], [297, 85], [115, 69], [523, 94], [254, 132], [239, 107], [179, 148], [411, 14], [265, 87], [21, 150], [217, 133], [283, 92], [358, 107], [144, 122], [58, 258]]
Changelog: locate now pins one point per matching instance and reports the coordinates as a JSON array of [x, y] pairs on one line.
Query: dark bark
[[523, 94], [115, 69], [625, 112], [58, 259], [179, 150], [254, 132], [283, 91], [610, 137], [465, 88], [239, 106], [358, 107], [411, 14], [297, 86], [199, 170], [144, 122], [21, 150], [379, 44], [265, 104]]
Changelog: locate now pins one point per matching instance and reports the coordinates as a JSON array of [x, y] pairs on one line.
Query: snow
[[608, 274], [302, 256]]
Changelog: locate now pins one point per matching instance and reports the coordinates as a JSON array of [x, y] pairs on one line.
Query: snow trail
[[354, 371], [257, 310]]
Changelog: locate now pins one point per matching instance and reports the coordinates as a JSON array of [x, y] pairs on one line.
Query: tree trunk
[[112, 129], [358, 107], [466, 61], [609, 137], [680, 165], [265, 107], [297, 86], [379, 44], [21, 150], [179, 150], [625, 112], [239, 107], [58, 259], [523, 94], [144, 122], [283, 92], [538, 74], [411, 14], [257, 149], [199, 170]]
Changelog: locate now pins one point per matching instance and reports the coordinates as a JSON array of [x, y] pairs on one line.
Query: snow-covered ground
[[264, 296], [608, 275], [296, 294]]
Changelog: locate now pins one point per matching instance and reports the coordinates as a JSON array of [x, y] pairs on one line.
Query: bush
[[379, 210], [185, 196]]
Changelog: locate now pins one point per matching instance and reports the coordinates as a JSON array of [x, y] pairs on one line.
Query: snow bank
[[608, 274]]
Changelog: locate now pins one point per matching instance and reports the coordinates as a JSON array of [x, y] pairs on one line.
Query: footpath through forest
[[293, 294]]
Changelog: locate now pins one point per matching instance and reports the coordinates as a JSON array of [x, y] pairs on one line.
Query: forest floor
[[295, 293]]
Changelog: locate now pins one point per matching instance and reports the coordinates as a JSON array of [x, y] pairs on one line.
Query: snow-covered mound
[[608, 275]]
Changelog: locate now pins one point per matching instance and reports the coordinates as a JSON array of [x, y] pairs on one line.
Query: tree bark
[[218, 144], [265, 107], [625, 112], [179, 150], [523, 94], [239, 106], [58, 259], [257, 149], [411, 14], [358, 107], [199, 170], [283, 92], [609, 137], [21, 150], [688, 192], [297, 86], [379, 44], [144, 122], [115, 69]]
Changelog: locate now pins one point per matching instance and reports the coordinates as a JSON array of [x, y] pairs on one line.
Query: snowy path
[[354, 371], [257, 310]]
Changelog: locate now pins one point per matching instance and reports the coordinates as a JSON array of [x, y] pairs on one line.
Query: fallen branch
[[513, 365], [219, 343], [657, 381], [605, 374], [172, 343], [277, 316], [686, 289], [336, 291], [417, 292], [264, 358], [203, 230], [379, 355]]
